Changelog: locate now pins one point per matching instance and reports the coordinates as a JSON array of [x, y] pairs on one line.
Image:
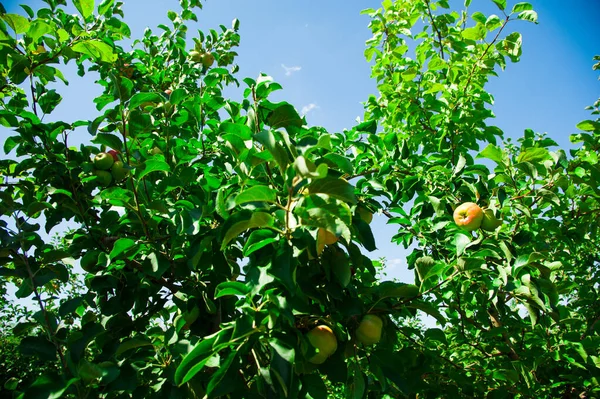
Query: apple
[[324, 340], [369, 329], [490, 222], [103, 177], [114, 154], [324, 237], [207, 60], [364, 214], [118, 171], [168, 92], [196, 56], [327, 237], [468, 216], [103, 161]]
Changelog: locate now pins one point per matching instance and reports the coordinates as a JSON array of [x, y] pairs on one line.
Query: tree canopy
[[219, 247]]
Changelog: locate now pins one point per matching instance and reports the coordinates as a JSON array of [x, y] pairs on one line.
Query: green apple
[[364, 214], [103, 161], [207, 60], [369, 329], [324, 340], [196, 56], [490, 222], [468, 216], [103, 177], [119, 171]]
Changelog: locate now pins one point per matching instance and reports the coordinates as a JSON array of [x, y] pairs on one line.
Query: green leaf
[[267, 139], [461, 241], [38, 346], [369, 126], [37, 29], [336, 188], [194, 361], [397, 290], [105, 6], [534, 155], [48, 386], [133, 343], [85, 7], [530, 16], [500, 3], [259, 239], [96, 49], [122, 246], [17, 22], [221, 382], [242, 221], [492, 152], [307, 169], [283, 116], [283, 349], [231, 288], [429, 309], [256, 194], [153, 165], [240, 130], [314, 385], [589, 126], [477, 32], [521, 7], [141, 98], [284, 266], [357, 385], [110, 140]]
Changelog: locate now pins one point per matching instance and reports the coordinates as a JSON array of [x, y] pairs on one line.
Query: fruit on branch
[[103, 177], [369, 329], [168, 92], [103, 161], [119, 171], [114, 154], [490, 222], [207, 60], [468, 216], [324, 340], [327, 237], [195, 56], [324, 237], [364, 214]]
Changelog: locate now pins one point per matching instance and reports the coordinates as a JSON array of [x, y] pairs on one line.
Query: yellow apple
[[207, 60], [468, 216], [369, 330], [195, 56], [324, 340], [324, 237]]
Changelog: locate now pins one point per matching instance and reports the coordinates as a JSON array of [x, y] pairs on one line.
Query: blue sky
[[321, 46]]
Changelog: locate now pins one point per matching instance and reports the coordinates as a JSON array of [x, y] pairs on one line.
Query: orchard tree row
[[219, 247]]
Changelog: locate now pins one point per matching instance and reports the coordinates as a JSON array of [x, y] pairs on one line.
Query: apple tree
[[224, 242]]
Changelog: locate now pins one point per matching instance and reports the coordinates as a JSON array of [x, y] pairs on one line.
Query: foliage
[[203, 268]]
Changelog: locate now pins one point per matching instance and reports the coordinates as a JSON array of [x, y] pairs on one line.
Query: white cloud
[[396, 262], [290, 70], [307, 108]]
